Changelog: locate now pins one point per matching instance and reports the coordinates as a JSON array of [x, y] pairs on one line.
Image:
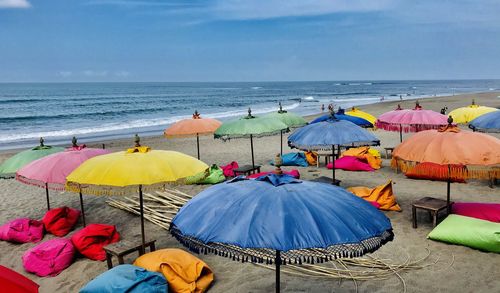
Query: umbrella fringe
[[108, 190], [309, 256], [38, 183], [406, 127], [329, 147], [456, 171]]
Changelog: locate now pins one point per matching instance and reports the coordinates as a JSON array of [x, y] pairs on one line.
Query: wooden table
[[430, 204], [123, 248], [387, 150], [246, 170]]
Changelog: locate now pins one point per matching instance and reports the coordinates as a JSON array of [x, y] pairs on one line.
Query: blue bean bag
[[127, 278], [294, 159]]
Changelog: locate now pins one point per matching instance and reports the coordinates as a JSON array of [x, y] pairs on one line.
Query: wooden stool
[[387, 150], [246, 170], [327, 158], [123, 248], [430, 204]]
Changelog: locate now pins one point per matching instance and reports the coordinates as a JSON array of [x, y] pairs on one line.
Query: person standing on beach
[[322, 107]]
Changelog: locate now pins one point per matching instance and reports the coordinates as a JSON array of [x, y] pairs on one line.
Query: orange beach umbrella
[[194, 126], [463, 154]]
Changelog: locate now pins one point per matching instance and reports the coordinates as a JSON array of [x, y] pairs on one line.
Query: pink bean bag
[[22, 230], [49, 258], [229, 169], [91, 240], [484, 211], [294, 173], [60, 221], [350, 163]]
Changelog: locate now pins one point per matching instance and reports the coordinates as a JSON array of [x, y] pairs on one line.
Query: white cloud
[[65, 73], [94, 73], [14, 4], [265, 9], [122, 73]]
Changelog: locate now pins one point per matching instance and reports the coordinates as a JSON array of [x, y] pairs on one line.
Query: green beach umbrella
[[250, 126], [291, 120], [9, 168]]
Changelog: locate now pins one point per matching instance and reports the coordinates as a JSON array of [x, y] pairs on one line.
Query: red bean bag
[[350, 163], [294, 173], [229, 169], [60, 221], [432, 171], [484, 211], [49, 258], [22, 230], [90, 240]]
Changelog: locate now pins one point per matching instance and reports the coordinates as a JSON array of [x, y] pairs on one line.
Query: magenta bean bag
[[22, 231], [49, 258], [294, 173], [350, 163], [61, 220], [484, 211], [229, 169]]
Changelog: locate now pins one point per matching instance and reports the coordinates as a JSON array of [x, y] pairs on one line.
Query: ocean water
[[97, 111]]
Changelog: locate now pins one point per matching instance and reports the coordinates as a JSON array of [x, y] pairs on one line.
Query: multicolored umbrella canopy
[[281, 219], [290, 119], [328, 134], [340, 115], [134, 170], [469, 113], [9, 168], [410, 120], [195, 126], [50, 172], [361, 114], [467, 154], [250, 126], [487, 123]]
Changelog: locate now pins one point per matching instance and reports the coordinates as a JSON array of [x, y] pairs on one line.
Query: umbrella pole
[[251, 147], [83, 210], [400, 133], [277, 262], [47, 195], [333, 164], [198, 145], [448, 188], [281, 145], [141, 203]]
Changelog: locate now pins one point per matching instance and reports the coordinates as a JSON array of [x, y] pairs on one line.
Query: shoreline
[[424, 100]]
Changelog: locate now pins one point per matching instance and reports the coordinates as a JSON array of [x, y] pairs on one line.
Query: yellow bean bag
[[183, 271], [382, 194]]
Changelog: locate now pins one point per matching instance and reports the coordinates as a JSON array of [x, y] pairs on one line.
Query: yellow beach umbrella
[[469, 113], [135, 170], [361, 114]]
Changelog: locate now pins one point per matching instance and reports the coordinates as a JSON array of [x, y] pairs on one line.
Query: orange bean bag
[[183, 271], [372, 156], [381, 194], [312, 158]]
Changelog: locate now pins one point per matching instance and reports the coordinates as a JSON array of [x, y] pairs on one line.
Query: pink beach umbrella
[[411, 120], [50, 172]]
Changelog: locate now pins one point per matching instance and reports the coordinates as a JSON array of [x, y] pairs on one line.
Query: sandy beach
[[457, 268]]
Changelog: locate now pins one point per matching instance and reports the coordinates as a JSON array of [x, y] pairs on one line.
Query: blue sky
[[248, 40]]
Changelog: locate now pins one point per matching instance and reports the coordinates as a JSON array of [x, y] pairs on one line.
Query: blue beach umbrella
[[341, 116], [486, 123], [279, 218], [328, 134]]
